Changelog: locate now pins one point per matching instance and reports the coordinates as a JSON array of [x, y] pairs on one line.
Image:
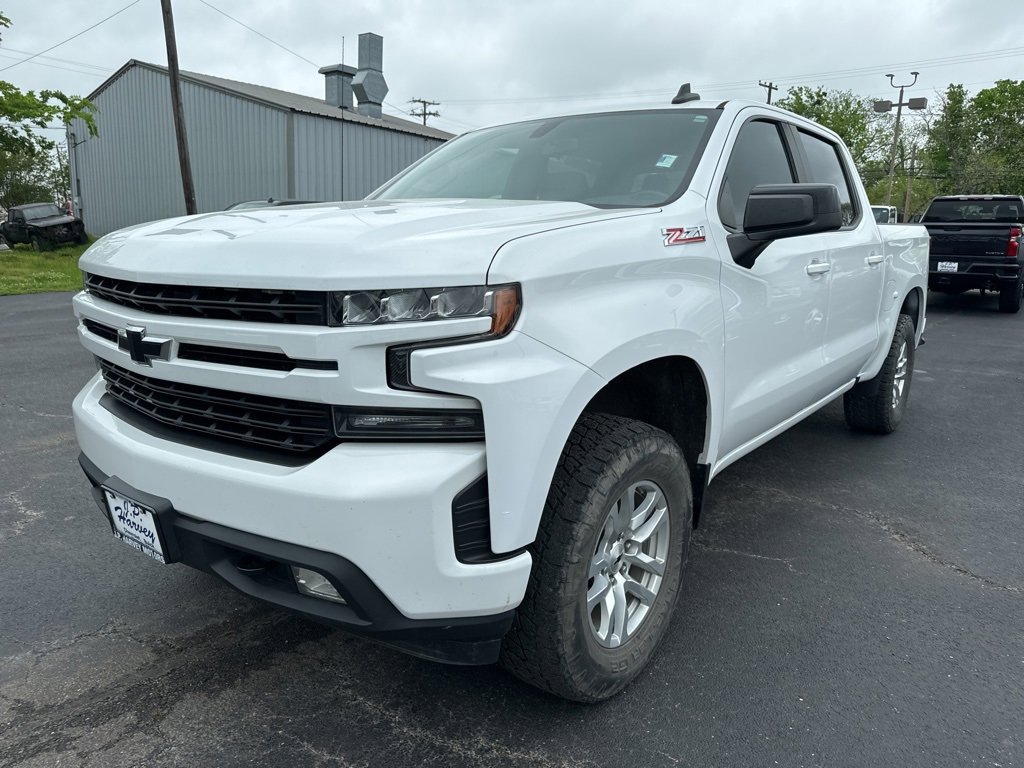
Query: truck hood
[[355, 245], [51, 221]]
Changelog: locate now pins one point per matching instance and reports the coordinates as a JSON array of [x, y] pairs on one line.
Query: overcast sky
[[487, 61]]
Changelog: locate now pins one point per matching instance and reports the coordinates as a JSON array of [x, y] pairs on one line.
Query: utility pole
[[770, 86], [886, 106], [910, 183], [176, 107], [423, 109]]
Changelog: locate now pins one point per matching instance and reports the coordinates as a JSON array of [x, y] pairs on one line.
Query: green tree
[[849, 115], [21, 111], [27, 177], [951, 150], [998, 117]]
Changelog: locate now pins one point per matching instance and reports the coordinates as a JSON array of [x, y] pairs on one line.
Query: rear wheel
[[878, 405], [1010, 297], [608, 561]]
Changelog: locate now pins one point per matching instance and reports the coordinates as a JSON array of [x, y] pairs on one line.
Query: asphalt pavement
[[851, 600]]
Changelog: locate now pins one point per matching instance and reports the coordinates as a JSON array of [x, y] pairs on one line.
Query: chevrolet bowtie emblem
[[141, 347]]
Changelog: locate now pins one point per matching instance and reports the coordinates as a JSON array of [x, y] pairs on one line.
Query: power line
[[966, 58], [68, 40], [7, 51], [76, 70], [255, 31]]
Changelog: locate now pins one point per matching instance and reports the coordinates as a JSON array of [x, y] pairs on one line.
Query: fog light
[[315, 585]]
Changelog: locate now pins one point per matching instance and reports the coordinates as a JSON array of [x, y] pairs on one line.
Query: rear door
[[855, 256]]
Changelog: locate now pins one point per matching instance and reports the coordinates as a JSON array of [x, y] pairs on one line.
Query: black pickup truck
[[44, 225], [976, 244]]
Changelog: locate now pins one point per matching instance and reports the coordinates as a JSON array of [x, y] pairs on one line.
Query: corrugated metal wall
[[129, 173], [326, 151]]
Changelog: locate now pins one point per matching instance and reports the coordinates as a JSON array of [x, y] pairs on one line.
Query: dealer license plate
[[947, 266], [135, 525]]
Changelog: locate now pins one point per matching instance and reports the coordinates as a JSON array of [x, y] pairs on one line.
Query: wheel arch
[[914, 305], [672, 394]]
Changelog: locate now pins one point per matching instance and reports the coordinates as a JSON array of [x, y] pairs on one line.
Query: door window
[[825, 167], [758, 157]]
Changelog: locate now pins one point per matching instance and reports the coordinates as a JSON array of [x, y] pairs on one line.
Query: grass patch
[[23, 270]]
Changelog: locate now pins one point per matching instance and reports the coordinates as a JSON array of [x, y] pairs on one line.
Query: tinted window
[[620, 159], [758, 157], [1006, 211], [41, 211], [825, 167]]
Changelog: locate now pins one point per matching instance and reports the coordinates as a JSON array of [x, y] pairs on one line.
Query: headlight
[[500, 303]]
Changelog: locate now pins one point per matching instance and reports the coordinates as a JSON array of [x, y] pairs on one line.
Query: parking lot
[[851, 600]]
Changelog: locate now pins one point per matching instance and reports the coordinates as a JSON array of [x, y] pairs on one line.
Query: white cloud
[[474, 56]]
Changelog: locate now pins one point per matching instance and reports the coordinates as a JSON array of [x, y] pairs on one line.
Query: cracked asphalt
[[850, 601]]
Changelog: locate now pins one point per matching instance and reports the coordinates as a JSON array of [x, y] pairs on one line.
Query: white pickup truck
[[474, 415]]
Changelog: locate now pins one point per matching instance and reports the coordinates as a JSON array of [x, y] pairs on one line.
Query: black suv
[[44, 225]]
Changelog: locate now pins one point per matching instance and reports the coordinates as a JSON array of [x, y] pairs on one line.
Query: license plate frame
[[136, 524], [948, 266]]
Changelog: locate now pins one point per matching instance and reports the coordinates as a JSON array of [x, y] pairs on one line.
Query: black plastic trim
[[271, 422], [204, 442], [213, 302], [251, 358], [471, 526], [255, 565]]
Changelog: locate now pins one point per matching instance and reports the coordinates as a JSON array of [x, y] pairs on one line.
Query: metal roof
[[294, 102]]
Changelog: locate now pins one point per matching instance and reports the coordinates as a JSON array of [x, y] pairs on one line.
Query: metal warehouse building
[[246, 142]]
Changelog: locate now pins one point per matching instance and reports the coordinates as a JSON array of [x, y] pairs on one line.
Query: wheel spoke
[[642, 512], [651, 526], [597, 592], [598, 564], [646, 562], [623, 512], [638, 590], [619, 628]]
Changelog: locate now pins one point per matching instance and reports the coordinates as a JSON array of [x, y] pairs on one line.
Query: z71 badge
[[683, 235]]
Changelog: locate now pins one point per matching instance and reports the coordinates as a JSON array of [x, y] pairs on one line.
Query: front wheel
[[40, 243], [1010, 297], [878, 405], [608, 561]]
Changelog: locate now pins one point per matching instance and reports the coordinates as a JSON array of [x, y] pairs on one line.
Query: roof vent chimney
[[338, 85], [368, 84]]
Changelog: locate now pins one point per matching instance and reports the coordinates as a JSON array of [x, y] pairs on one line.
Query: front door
[[775, 312]]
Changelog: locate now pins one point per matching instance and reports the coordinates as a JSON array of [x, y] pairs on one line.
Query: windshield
[[1004, 211], [607, 160], [41, 211]]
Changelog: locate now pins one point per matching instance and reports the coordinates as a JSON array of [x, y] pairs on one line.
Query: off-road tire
[[552, 644], [876, 412], [40, 243], [1010, 297], [82, 239]]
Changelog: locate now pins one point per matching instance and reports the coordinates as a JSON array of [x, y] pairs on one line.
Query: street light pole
[[886, 106]]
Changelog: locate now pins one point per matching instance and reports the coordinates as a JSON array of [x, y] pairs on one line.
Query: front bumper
[[384, 508], [260, 567]]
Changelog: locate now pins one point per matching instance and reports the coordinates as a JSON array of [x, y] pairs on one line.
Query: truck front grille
[[248, 304], [267, 422]]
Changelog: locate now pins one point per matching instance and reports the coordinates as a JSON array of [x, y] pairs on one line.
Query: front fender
[[531, 396]]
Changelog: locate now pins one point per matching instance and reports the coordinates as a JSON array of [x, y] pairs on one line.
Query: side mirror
[[778, 211]]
